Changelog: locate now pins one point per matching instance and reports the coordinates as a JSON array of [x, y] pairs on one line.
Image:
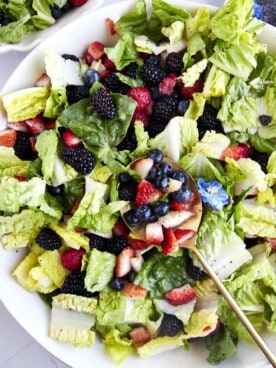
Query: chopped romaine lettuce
[[118, 347]]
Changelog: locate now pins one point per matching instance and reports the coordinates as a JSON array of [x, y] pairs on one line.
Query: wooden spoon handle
[[240, 314]]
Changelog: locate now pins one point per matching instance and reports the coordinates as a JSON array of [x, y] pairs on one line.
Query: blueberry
[[143, 212], [55, 191], [131, 276], [162, 182], [165, 168], [125, 178], [91, 76], [161, 208], [181, 195], [182, 107], [116, 284], [154, 173], [179, 175], [265, 119], [130, 218], [156, 155]]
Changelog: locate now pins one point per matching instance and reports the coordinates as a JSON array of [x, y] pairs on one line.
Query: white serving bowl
[[28, 309]]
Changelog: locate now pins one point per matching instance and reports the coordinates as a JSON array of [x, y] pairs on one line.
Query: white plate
[[27, 308], [31, 40]]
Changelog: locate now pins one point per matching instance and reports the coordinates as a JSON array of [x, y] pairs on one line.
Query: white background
[[17, 348]]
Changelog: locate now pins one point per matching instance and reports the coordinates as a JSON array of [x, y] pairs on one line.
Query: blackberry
[[251, 242], [174, 63], [195, 272], [74, 284], [269, 11], [113, 84], [76, 93], [152, 74], [70, 57], [127, 191], [129, 142], [23, 148], [48, 239], [153, 60], [170, 325], [261, 158], [156, 127], [208, 121], [103, 104], [162, 109], [80, 159], [98, 242], [155, 93], [131, 70], [117, 244]]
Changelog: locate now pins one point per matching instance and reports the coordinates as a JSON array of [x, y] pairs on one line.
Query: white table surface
[[17, 348]]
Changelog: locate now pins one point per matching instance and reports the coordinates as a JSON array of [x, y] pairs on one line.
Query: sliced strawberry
[[20, 126], [154, 233], [123, 265], [167, 85], [136, 263], [70, 139], [187, 92], [137, 244], [50, 124], [141, 95], [236, 152], [140, 335], [175, 218], [110, 26], [141, 116], [142, 166], [20, 178], [120, 228], [43, 81], [71, 259], [96, 50], [272, 243], [33, 142], [147, 193], [135, 291], [180, 206], [36, 125], [182, 235], [169, 244], [181, 295], [76, 3], [8, 138]]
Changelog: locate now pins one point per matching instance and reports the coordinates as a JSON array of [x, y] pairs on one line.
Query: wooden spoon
[[193, 224]]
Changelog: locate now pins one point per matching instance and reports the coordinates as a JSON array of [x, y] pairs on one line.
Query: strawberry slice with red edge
[[146, 193], [120, 228], [154, 233], [8, 138], [134, 291], [19, 126], [70, 139], [77, 3], [43, 81], [181, 295], [140, 335], [236, 152], [123, 265], [110, 26], [169, 244], [182, 235], [137, 244], [36, 125]]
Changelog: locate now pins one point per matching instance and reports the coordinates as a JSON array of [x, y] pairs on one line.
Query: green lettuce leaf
[[135, 21], [118, 347]]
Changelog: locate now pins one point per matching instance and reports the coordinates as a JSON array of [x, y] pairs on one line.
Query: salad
[[19, 18], [181, 107]]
